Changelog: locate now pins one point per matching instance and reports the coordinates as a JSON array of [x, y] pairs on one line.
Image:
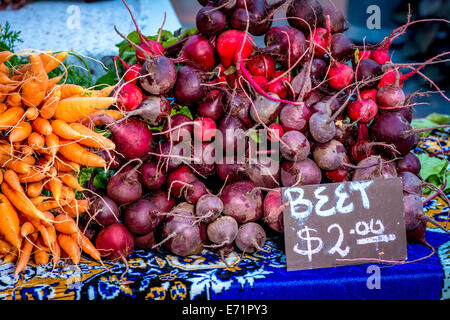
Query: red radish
[[129, 97], [250, 238], [115, 242], [141, 217], [242, 201], [232, 45], [204, 129], [149, 46], [261, 65], [275, 132], [132, 73], [380, 55], [273, 210], [369, 94], [152, 177], [321, 38], [124, 186], [262, 82], [362, 110], [340, 76], [363, 54], [278, 88]]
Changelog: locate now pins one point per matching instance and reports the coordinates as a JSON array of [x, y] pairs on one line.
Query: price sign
[[345, 223]]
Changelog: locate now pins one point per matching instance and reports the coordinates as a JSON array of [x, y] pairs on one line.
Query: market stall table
[[158, 275]]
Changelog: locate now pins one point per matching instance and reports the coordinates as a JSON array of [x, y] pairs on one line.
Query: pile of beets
[[334, 111]]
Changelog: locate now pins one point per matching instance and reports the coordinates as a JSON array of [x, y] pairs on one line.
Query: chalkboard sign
[[345, 223]]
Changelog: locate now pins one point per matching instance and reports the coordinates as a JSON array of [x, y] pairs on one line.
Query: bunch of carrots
[[46, 138]]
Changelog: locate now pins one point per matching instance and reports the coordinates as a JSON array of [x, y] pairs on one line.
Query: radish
[[208, 208], [242, 201], [340, 76], [115, 242], [300, 173], [275, 131], [152, 177], [104, 211], [124, 186], [321, 38], [362, 110], [273, 210], [305, 14], [132, 73], [222, 231], [141, 217], [295, 146], [250, 238], [231, 45], [153, 110]]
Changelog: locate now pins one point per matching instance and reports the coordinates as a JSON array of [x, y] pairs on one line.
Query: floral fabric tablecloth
[[158, 275]]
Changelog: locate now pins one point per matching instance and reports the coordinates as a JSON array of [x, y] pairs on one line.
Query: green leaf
[[438, 118], [431, 166], [182, 109], [85, 175], [101, 179], [109, 78], [423, 123]]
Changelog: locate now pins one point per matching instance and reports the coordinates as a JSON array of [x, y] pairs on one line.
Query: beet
[[212, 107], [321, 127], [242, 202], [305, 14], [409, 163], [300, 173], [265, 110], [374, 167], [162, 200], [158, 75], [146, 241], [104, 211], [141, 217], [210, 22], [114, 242], [273, 210], [250, 238], [189, 87], [152, 177], [153, 110], [294, 146], [124, 186], [330, 155], [230, 169], [295, 117], [208, 208], [222, 231]]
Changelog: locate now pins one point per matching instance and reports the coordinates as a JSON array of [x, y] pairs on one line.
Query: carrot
[[26, 229], [86, 245], [65, 224], [67, 194], [22, 203], [115, 114], [5, 55], [41, 255], [1, 177], [29, 159], [78, 154], [12, 179], [27, 151], [11, 256], [39, 200], [5, 246], [25, 254], [55, 187], [105, 92], [49, 205], [64, 130], [3, 107], [76, 108], [11, 117], [32, 113], [21, 132], [92, 138], [52, 82], [35, 87], [42, 126], [69, 90], [71, 181], [46, 237], [18, 166], [14, 100], [70, 246], [52, 142], [64, 165], [55, 61], [5, 79], [45, 56], [36, 141], [48, 107], [9, 222], [76, 207], [34, 189], [4, 69], [33, 175]]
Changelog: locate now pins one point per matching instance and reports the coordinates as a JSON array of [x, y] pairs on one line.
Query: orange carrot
[[39, 200], [115, 114], [48, 107], [3, 107], [33, 175], [5, 246], [41, 255], [26, 229], [9, 222], [22, 203], [11, 117], [42, 126], [32, 113], [52, 142], [14, 100], [25, 254], [36, 141], [75, 208], [65, 224], [35, 86], [21, 132], [51, 83], [11, 177], [64, 130], [5, 79], [18, 166], [67, 193], [86, 245], [76, 153], [76, 108], [11, 256], [34, 189], [71, 181], [4, 69], [1, 177], [64, 165], [55, 61], [92, 138], [55, 187], [5, 55], [69, 90], [70, 246], [46, 56]]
